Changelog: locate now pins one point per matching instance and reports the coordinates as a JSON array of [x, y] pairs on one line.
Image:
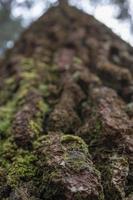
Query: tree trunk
[[63, 2], [66, 112]]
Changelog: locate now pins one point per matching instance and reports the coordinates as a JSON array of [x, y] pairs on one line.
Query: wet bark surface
[[66, 112]]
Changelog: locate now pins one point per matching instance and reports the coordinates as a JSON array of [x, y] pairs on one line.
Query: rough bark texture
[[66, 112]]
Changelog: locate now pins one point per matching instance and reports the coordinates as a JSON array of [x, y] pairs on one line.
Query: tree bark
[[63, 2], [66, 112]]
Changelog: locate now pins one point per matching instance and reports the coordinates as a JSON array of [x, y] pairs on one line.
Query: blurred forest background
[[16, 15]]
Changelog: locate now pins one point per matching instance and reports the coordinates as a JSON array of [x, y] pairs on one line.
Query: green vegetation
[[75, 152], [22, 169], [74, 142], [6, 116]]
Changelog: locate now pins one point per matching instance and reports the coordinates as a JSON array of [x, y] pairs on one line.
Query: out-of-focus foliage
[[10, 26]]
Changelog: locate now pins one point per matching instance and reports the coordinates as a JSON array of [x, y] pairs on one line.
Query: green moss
[[7, 111], [60, 157], [76, 76], [78, 196], [53, 69], [41, 141], [27, 76], [8, 88], [4, 125], [52, 74], [7, 152], [27, 64], [71, 138], [77, 60], [22, 169], [129, 109], [98, 127], [20, 165], [6, 115], [49, 185], [22, 92], [30, 80], [44, 90], [95, 133], [10, 81], [76, 143], [51, 174], [35, 127], [42, 106], [113, 177], [7, 147], [35, 124], [75, 161], [76, 153], [2, 180]]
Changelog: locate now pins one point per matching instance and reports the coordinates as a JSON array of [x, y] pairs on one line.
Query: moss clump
[[42, 106], [49, 183], [8, 87], [114, 175], [77, 60], [76, 76], [27, 64], [44, 90], [6, 116], [76, 153], [7, 148], [75, 161], [35, 124], [27, 76], [41, 141], [28, 79], [74, 142], [10, 81], [65, 160], [95, 130], [6, 112], [2, 176], [21, 94], [98, 127], [129, 109], [35, 127], [22, 169]]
